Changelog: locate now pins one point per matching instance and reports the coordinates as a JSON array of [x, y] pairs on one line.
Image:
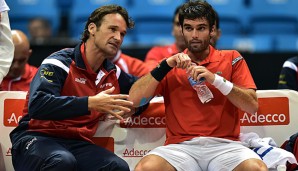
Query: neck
[[199, 56], [94, 57]]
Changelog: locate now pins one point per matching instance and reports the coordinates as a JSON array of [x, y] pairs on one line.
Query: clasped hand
[[115, 105], [197, 72]]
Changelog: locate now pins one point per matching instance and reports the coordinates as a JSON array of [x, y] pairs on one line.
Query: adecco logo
[[152, 117], [13, 109], [135, 152], [272, 111]]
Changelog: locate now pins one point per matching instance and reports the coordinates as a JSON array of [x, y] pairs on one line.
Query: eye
[[113, 29], [187, 28], [202, 28]]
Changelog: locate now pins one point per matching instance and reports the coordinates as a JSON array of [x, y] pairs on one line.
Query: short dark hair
[[97, 15], [197, 9]]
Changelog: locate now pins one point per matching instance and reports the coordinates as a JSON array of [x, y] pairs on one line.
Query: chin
[[111, 54]]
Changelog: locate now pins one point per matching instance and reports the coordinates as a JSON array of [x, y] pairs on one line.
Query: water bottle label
[[194, 82]]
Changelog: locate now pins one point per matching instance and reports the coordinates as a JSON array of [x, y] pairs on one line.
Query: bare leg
[[152, 163], [251, 165]]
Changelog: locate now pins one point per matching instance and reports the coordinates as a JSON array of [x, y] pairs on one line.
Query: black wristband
[[161, 70], [139, 110]]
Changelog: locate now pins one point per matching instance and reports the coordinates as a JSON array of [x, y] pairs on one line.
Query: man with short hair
[[158, 53], [200, 136], [40, 30], [20, 72], [72, 91]]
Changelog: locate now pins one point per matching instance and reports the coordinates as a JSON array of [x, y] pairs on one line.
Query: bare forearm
[[245, 99], [143, 90]]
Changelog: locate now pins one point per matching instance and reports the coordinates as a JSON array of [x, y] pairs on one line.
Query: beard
[[198, 46]]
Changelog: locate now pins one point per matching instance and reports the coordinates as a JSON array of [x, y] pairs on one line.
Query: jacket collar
[[80, 62]]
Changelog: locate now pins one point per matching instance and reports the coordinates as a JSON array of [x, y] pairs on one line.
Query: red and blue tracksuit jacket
[[288, 78], [57, 103]]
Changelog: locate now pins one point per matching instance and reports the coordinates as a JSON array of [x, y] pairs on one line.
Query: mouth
[[195, 42], [114, 45]]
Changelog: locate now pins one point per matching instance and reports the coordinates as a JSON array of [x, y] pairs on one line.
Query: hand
[[200, 72], [124, 116], [180, 60], [113, 104]]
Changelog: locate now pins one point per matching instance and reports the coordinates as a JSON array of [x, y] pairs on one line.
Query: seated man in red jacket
[[129, 64], [20, 72]]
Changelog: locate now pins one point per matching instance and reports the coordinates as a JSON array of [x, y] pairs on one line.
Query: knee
[[153, 163], [259, 166], [143, 166], [252, 165], [60, 161]]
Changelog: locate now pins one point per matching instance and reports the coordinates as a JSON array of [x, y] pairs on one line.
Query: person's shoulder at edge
[[162, 47], [123, 55], [293, 59]]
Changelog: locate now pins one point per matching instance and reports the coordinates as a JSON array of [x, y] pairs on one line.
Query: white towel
[[252, 140], [267, 149], [274, 156]]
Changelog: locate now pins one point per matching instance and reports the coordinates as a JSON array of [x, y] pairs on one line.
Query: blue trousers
[[42, 153]]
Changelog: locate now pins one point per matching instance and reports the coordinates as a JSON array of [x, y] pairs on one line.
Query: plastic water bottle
[[204, 93]]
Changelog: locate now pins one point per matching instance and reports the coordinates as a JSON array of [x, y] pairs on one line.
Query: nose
[[117, 36], [195, 33]]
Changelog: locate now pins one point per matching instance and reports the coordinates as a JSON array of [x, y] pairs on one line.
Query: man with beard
[[158, 53], [71, 91], [200, 136]]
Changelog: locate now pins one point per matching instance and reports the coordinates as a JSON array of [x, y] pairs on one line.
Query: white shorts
[[205, 153]]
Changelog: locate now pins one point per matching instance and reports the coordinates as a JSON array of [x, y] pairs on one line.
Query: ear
[[30, 52], [212, 31], [218, 33], [92, 28]]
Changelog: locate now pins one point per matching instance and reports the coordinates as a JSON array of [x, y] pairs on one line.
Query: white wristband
[[223, 85]]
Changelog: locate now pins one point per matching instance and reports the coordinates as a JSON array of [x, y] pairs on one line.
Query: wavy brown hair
[[98, 14]]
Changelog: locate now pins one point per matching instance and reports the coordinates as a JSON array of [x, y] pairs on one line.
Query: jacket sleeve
[[287, 79], [45, 101]]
